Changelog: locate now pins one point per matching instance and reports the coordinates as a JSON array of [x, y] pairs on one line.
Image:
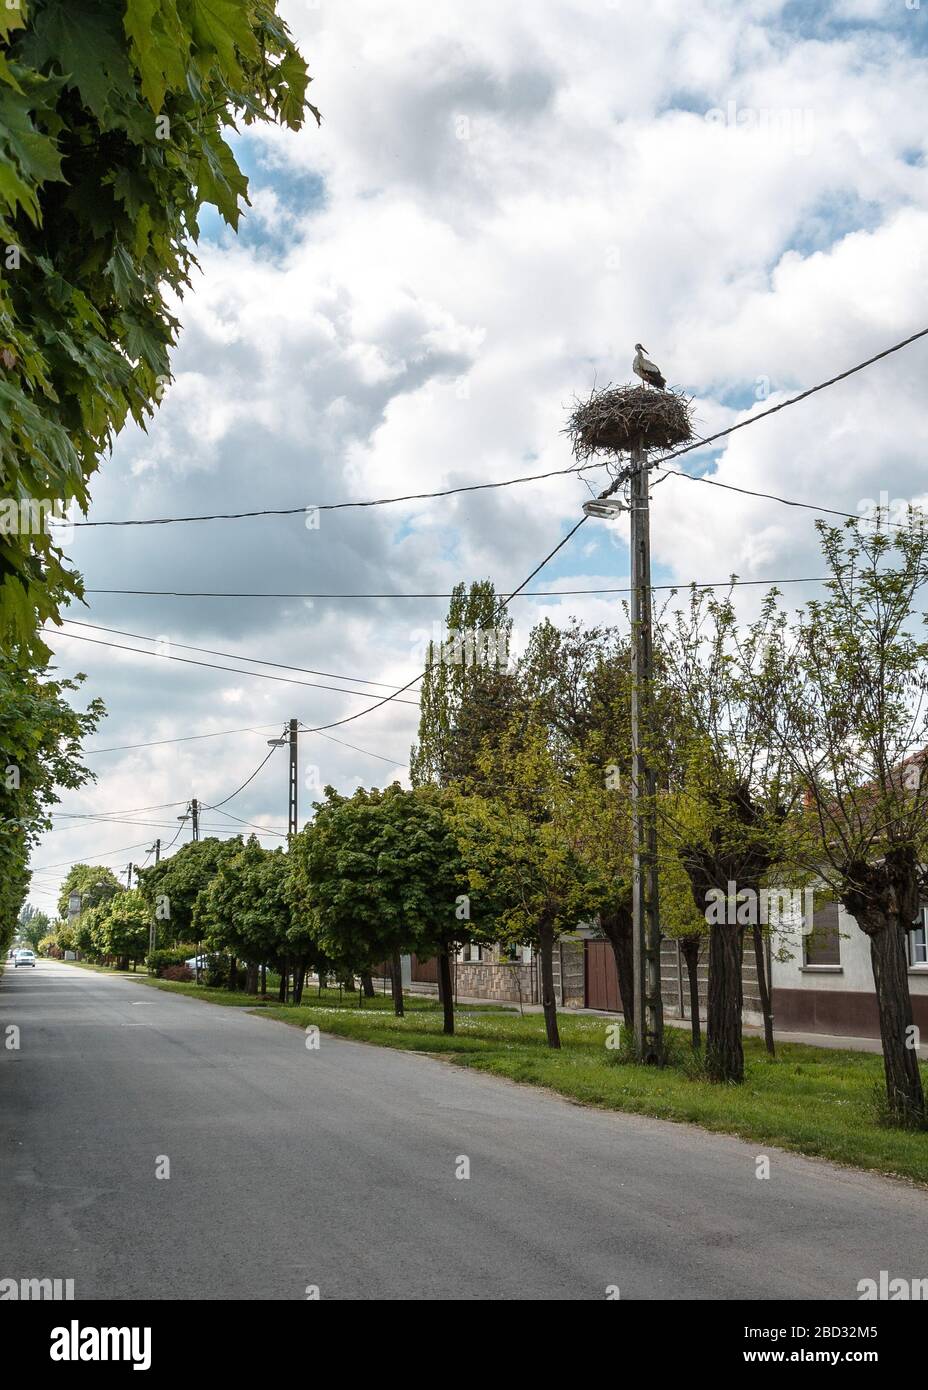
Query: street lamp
[[607, 508]]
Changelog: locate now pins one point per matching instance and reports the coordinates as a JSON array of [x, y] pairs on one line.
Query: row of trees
[[789, 754]]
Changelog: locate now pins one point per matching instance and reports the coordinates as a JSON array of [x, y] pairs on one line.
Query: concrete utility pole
[[649, 1011], [291, 740], [153, 925], [129, 868], [195, 818], [292, 809]]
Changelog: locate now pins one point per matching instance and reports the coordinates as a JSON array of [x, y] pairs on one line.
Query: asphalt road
[[336, 1168]]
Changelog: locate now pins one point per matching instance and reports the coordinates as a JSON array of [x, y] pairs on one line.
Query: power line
[[186, 738], [721, 434], [232, 656], [774, 497], [111, 820], [792, 400], [539, 593], [107, 854], [130, 811], [262, 764], [321, 728], [233, 670], [342, 506], [510, 482], [524, 593], [394, 762], [263, 828]]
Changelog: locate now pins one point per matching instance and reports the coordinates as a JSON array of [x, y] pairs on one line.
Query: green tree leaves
[[112, 115], [40, 744]]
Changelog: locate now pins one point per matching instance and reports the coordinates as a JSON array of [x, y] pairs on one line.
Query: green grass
[[100, 969], [329, 999], [816, 1101]]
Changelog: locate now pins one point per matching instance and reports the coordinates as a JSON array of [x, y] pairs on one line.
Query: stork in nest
[[643, 366]]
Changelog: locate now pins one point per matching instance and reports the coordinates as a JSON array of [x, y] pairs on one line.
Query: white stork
[[643, 366]]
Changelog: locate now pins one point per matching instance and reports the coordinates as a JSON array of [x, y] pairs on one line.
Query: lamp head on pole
[[607, 508]]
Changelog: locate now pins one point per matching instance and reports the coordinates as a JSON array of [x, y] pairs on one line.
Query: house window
[[518, 955], [470, 953], [918, 955], [823, 944]]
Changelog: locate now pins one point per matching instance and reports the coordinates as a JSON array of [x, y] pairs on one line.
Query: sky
[[501, 201]]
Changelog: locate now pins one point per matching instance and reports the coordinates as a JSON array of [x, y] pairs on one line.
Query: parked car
[[24, 957]]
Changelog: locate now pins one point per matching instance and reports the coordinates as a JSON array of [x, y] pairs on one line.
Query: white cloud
[[513, 195]]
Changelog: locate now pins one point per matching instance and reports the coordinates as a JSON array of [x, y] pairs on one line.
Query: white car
[[24, 958]]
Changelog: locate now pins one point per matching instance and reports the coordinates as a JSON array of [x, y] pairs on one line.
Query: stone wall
[[507, 981], [569, 981], [672, 976]]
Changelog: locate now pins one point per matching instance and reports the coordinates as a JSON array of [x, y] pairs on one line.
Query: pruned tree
[[857, 727], [171, 887], [383, 872], [732, 785], [245, 911], [34, 926], [121, 928], [519, 845]]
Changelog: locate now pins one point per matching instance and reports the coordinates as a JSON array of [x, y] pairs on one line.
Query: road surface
[[293, 1170]]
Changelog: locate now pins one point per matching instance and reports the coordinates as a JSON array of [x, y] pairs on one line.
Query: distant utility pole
[[195, 818], [291, 740], [649, 1009], [294, 778], [129, 868], [153, 926]]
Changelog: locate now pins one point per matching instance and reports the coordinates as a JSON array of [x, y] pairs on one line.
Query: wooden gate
[[425, 971], [600, 977]]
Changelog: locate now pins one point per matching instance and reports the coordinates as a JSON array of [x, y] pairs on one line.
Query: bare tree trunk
[[763, 989], [299, 979], [251, 979], [396, 980], [724, 1050], [900, 1058], [548, 1001], [446, 990], [617, 929], [284, 973], [367, 984], [689, 945]]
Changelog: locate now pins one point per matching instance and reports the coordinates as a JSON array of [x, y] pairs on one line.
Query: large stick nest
[[620, 418]]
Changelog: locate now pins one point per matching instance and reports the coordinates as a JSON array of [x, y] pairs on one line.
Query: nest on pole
[[621, 418]]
